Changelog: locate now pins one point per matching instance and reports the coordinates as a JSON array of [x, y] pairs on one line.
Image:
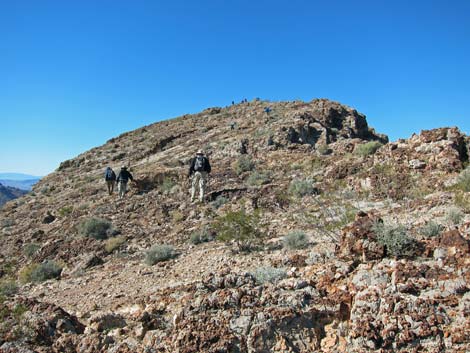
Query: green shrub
[[462, 201], [463, 181], [8, 288], [367, 148], [159, 253], [324, 150], [301, 188], [295, 240], [395, 240], [219, 201], [7, 222], [40, 272], [96, 228], [454, 215], [31, 249], [114, 243], [244, 164], [268, 274], [167, 184], [431, 229], [201, 236], [65, 211], [258, 179], [238, 226], [24, 275]]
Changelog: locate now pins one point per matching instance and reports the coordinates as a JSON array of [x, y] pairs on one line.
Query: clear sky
[[75, 73]]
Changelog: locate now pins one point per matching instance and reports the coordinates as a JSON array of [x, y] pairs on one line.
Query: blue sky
[[75, 73]]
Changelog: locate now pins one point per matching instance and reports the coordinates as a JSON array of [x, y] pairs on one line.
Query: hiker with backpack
[[110, 178], [122, 180], [199, 170]]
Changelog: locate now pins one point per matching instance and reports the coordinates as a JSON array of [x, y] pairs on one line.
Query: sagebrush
[[159, 253], [395, 240], [269, 274], [367, 148], [96, 228], [295, 240]]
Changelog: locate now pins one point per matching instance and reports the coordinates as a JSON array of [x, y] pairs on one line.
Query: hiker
[[199, 171], [122, 180], [267, 110], [232, 125], [110, 178]]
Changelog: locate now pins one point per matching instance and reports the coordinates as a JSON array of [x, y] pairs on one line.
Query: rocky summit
[[316, 234]]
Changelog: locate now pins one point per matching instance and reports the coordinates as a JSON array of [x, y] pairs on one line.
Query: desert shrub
[[269, 274], [114, 243], [167, 184], [454, 215], [83, 206], [395, 240], [462, 200], [201, 236], [177, 216], [238, 226], [431, 229], [244, 164], [30, 249], [219, 201], [7, 222], [159, 253], [324, 150], [65, 211], [8, 288], [367, 148], [46, 270], [258, 179], [96, 228], [463, 181], [281, 198], [301, 188], [24, 275], [295, 240]]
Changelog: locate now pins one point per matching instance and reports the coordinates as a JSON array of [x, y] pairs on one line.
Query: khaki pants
[[199, 178], [122, 188], [110, 184]]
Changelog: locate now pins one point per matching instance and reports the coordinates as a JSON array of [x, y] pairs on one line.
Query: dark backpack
[[109, 175], [199, 164]]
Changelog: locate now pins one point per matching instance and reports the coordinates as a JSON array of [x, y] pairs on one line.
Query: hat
[[200, 152], [123, 167]]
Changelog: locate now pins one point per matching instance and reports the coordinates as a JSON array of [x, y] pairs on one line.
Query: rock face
[[316, 274], [323, 122]]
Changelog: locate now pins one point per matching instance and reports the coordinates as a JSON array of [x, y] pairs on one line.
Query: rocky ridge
[[8, 193], [346, 291]]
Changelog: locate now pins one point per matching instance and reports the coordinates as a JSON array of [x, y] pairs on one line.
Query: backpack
[[109, 175], [199, 164]]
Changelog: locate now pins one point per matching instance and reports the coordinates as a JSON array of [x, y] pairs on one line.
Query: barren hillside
[[317, 235]]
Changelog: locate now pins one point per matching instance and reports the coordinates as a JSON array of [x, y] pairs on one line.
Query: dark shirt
[[206, 166], [124, 176]]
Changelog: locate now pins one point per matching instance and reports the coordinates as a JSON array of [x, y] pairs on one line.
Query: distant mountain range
[[18, 180], [8, 193]]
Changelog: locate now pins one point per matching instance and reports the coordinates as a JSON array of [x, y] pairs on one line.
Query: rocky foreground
[[317, 235]]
